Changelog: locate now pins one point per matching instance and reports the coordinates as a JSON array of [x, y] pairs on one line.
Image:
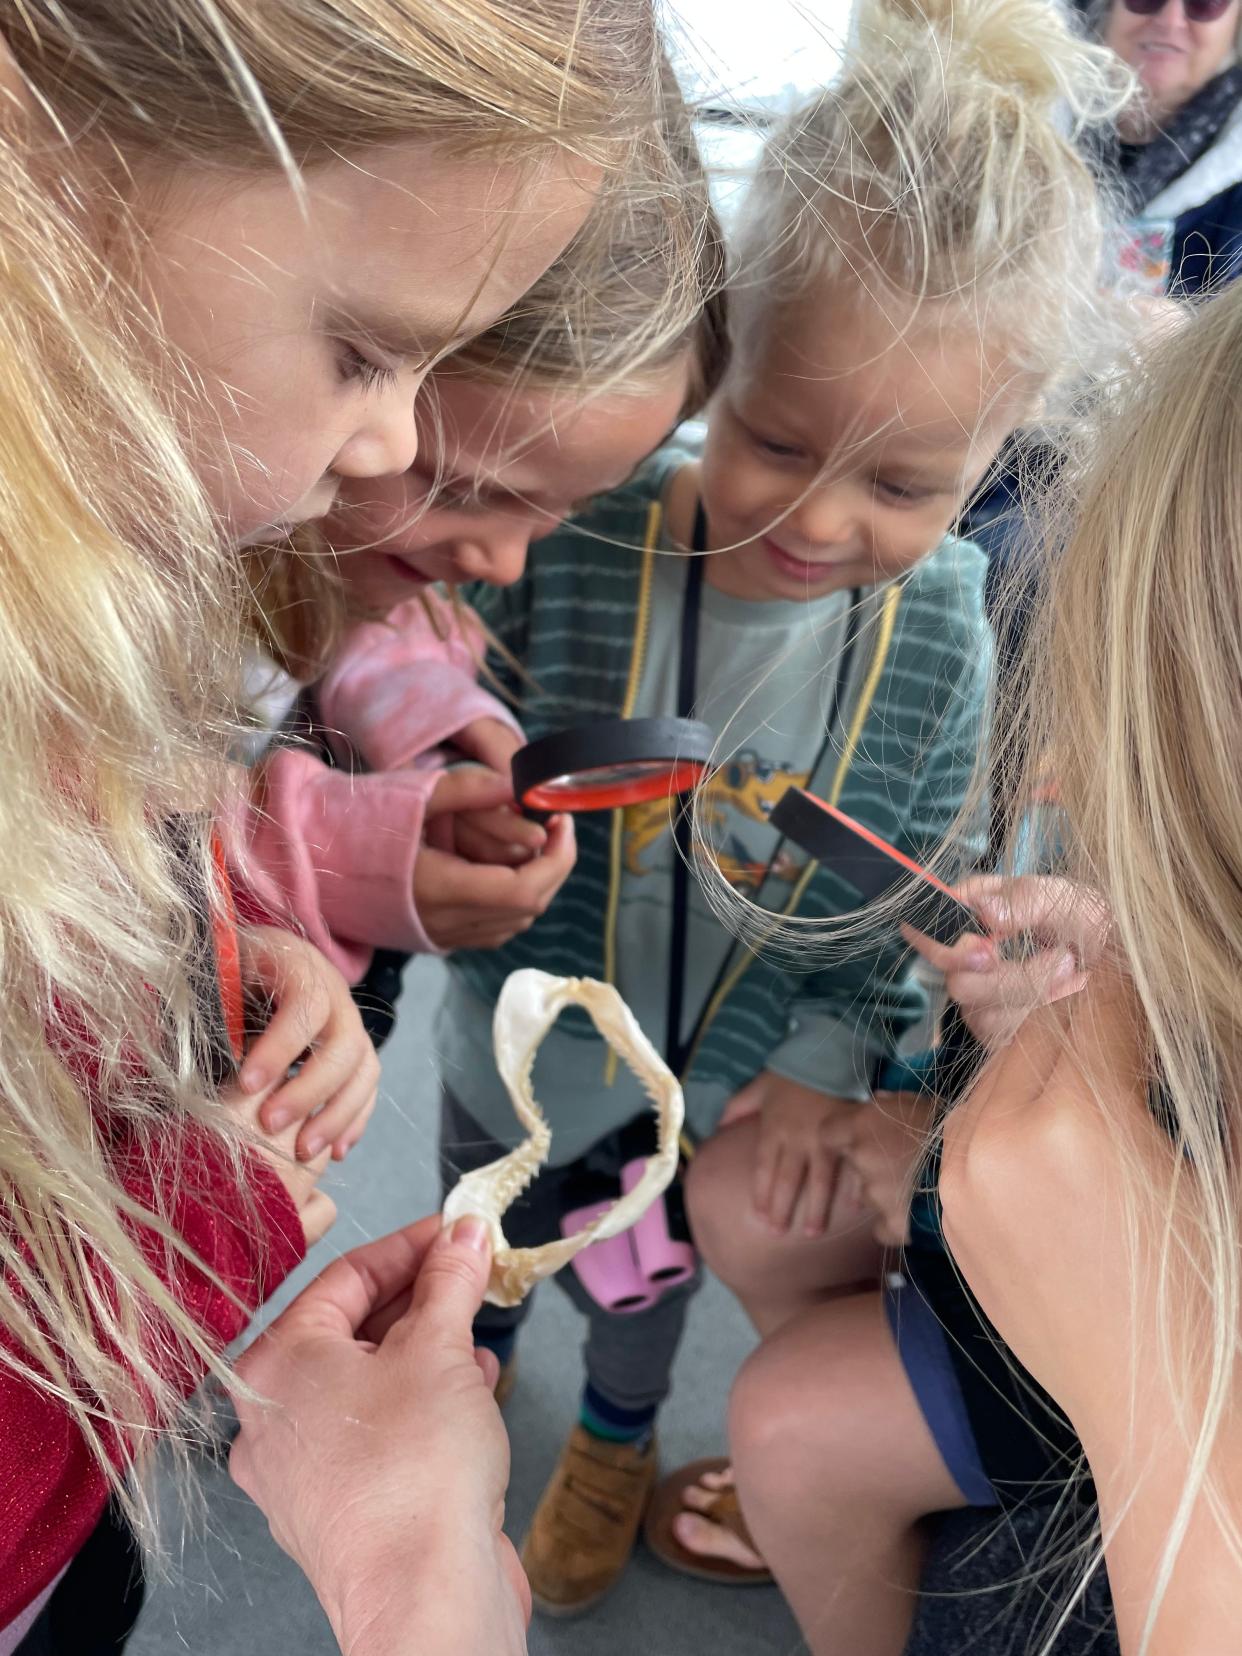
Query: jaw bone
[[529, 1004]]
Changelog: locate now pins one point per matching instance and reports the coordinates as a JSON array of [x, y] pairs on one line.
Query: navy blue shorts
[[924, 1350]]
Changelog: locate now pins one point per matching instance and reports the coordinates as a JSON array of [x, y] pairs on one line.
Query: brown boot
[[587, 1522]]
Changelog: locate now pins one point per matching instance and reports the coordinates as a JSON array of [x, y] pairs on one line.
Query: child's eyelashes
[[359, 369], [778, 450], [902, 494]]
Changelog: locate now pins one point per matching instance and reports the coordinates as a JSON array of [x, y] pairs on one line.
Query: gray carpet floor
[[231, 1592]]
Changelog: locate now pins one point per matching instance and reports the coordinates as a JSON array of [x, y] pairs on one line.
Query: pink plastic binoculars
[[628, 1273]]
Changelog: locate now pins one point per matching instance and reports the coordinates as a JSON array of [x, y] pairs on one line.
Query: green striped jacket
[[567, 633]]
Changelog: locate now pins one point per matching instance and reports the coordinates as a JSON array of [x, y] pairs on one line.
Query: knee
[[797, 1421], [773, 1418], [717, 1199]]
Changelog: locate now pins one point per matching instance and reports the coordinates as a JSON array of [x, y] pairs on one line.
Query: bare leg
[[775, 1277], [835, 1467]]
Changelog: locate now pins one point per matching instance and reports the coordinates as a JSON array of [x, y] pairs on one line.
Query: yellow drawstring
[[875, 669], [642, 626]]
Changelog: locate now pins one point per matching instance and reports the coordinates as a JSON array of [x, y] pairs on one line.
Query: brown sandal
[[668, 1503]]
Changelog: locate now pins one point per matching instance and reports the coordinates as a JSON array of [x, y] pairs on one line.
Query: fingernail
[[1066, 967], [979, 958], [276, 1119], [471, 1233], [253, 1079], [312, 1147]]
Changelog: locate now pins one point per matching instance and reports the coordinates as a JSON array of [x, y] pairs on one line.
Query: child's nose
[[387, 444], [826, 517], [498, 559]]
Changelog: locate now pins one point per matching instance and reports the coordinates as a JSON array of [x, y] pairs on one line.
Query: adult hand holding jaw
[[378, 1455]]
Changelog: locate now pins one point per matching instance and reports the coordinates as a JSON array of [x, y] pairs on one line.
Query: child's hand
[[465, 904], [1064, 924], [471, 814], [313, 1021], [316, 1210], [490, 742], [795, 1166], [882, 1144]]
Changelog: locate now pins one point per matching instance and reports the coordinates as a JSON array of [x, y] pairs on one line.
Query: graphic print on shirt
[[743, 791]]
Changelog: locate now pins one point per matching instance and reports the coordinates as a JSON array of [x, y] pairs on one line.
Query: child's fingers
[[500, 836], [347, 1141], [747, 1101], [1018, 986], [506, 824], [970, 953], [892, 1230], [787, 1186], [318, 1215], [1057, 911], [468, 788], [354, 1100], [337, 1062], [823, 1170], [490, 741], [481, 886], [304, 1006]]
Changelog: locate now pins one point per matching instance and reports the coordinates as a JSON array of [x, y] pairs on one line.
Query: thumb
[[454, 1276], [468, 788]]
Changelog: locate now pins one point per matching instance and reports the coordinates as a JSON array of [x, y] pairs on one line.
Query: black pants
[[379, 991], [97, 1600]]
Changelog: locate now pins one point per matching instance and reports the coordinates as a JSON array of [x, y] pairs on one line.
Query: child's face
[[310, 333], [839, 452], [509, 469]]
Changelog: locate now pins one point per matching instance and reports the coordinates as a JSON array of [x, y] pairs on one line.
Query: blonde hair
[[119, 605], [939, 172], [1131, 698], [941, 169], [640, 288], [642, 285]]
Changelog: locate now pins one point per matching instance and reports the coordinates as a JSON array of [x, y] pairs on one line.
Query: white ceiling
[[755, 53]]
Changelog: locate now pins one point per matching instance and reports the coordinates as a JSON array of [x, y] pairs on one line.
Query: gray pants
[[628, 1358]]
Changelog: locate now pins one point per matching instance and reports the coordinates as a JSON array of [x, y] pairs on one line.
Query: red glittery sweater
[[52, 1491]]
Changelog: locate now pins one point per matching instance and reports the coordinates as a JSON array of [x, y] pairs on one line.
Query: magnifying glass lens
[[605, 787], [614, 762]]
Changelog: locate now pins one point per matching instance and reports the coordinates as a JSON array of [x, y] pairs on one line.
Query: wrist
[[443, 1594]]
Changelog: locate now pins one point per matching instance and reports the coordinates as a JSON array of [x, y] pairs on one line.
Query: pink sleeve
[[335, 853], [406, 684]]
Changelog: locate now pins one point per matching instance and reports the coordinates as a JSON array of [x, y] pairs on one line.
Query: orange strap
[[228, 952]]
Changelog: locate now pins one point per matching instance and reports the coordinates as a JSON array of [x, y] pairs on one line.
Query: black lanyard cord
[[677, 1051], [687, 676]]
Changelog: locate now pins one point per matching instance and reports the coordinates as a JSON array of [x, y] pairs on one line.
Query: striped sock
[[615, 1425], [502, 1341]]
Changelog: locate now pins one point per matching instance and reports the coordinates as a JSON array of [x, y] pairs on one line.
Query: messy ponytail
[[938, 175], [941, 169]]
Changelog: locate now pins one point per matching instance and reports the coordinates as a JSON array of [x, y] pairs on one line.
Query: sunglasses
[[1197, 11]]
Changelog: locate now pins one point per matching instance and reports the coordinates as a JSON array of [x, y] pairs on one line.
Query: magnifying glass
[[871, 865], [596, 767]]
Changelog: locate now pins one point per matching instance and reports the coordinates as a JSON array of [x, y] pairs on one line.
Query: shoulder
[[941, 650], [946, 590], [1211, 177]]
